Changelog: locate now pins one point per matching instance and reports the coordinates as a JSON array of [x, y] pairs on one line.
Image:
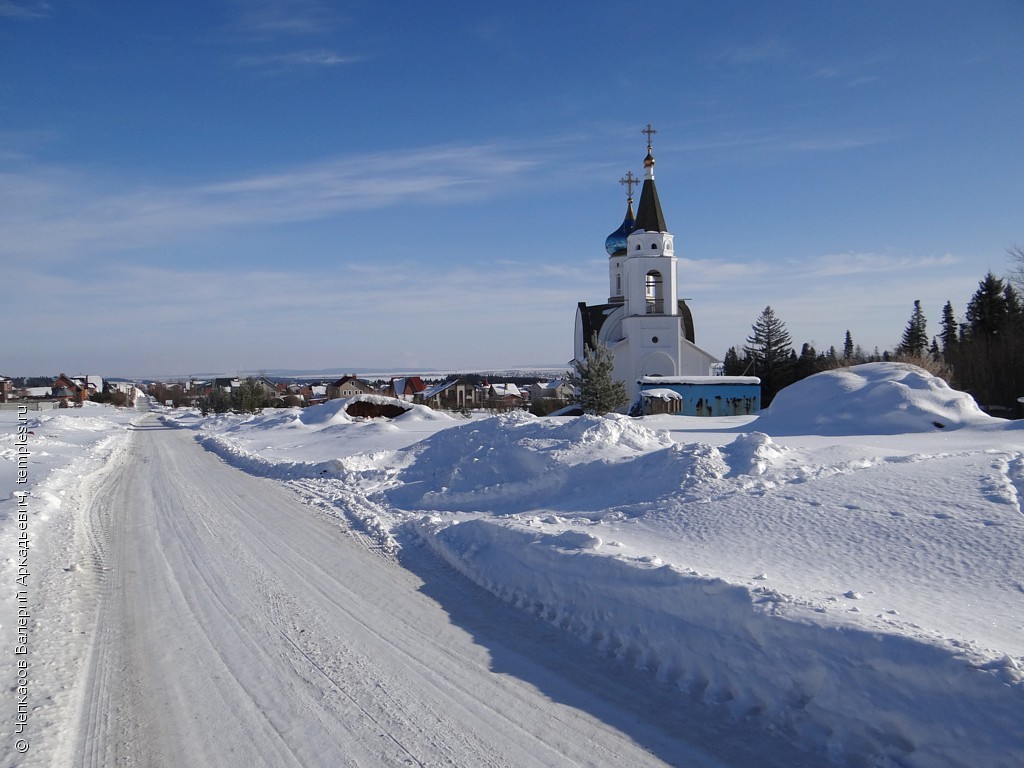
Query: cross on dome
[[650, 132], [629, 181]]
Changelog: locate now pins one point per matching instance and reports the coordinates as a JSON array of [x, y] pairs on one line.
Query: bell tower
[[648, 329]]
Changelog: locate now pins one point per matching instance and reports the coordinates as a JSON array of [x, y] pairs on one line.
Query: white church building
[[644, 323]]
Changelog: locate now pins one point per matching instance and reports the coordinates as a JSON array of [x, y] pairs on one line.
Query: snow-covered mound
[[861, 595], [861, 697], [519, 461], [871, 399]]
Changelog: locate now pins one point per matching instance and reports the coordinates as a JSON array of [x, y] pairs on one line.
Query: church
[[644, 323]]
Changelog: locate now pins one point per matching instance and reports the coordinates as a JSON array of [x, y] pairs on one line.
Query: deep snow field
[[846, 568]]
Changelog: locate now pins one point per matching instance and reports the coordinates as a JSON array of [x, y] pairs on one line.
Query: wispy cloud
[[277, 32], [27, 11], [57, 213], [819, 299], [847, 264], [297, 59], [764, 142], [225, 319], [272, 18], [856, 72], [756, 53]]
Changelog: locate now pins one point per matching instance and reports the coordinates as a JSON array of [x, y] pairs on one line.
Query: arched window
[[654, 246], [653, 291]]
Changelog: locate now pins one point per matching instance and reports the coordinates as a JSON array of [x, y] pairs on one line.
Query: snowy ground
[[845, 571]]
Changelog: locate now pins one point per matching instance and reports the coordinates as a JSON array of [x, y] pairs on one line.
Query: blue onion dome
[[615, 244]]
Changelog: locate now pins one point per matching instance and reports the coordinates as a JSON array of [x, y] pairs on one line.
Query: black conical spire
[[648, 215]]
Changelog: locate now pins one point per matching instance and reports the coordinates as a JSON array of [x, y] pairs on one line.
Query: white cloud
[[284, 17], [25, 11], [58, 213], [756, 53], [845, 264], [309, 58], [360, 313]]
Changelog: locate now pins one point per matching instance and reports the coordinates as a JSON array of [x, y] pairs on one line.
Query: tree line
[[982, 354]]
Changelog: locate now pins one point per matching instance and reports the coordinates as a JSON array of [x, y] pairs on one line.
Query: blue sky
[[230, 185]]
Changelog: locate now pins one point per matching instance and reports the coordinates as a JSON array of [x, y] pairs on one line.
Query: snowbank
[[871, 399], [855, 584], [518, 461], [853, 693]]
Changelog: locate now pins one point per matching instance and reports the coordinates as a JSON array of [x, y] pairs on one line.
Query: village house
[[560, 390], [271, 390], [405, 387], [317, 394], [501, 397], [349, 386], [69, 390], [452, 395]]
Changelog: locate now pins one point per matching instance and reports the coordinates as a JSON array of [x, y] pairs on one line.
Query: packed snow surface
[[845, 569]]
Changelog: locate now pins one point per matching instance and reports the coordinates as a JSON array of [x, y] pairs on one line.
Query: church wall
[[646, 336]]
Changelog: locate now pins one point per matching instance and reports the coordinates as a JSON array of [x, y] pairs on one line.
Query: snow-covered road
[[237, 626]]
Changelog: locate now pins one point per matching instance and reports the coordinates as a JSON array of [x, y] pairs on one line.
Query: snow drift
[[871, 399], [844, 568]]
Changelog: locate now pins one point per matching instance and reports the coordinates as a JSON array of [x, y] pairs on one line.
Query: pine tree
[[806, 363], [950, 330], [599, 393], [915, 336], [770, 347], [848, 347], [735, 365], [1014, 306], [249, 397], [988, 357], [987, 311], [731, 363]]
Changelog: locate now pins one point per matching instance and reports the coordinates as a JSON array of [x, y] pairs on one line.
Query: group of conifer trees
[[982, 355]]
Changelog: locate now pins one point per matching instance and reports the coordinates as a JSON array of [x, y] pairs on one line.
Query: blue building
[[699, 395]]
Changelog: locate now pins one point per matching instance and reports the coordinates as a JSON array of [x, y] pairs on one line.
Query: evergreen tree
[[949, 330], [915, 336], [848, 347], [987, 311], [806, 364], [770, 347], [599, 393], [735, 365], [731, 363], [249, 397], [988, 358], [1014, 307], [217, 401]]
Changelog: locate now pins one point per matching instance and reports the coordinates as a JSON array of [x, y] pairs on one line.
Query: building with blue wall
[[699, 395]]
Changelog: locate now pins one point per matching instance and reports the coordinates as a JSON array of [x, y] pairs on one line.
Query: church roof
[[615, 244], [648, 215]]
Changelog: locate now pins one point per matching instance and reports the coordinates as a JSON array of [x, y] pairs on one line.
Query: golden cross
[[650, 132], [629, 181]]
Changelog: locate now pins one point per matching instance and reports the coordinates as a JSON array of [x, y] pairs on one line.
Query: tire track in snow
[[238, 629]]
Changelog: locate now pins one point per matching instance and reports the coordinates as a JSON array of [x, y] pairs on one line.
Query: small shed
[[700, 395]]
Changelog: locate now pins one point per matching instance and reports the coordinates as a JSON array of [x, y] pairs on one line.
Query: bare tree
[[1016, 275]]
